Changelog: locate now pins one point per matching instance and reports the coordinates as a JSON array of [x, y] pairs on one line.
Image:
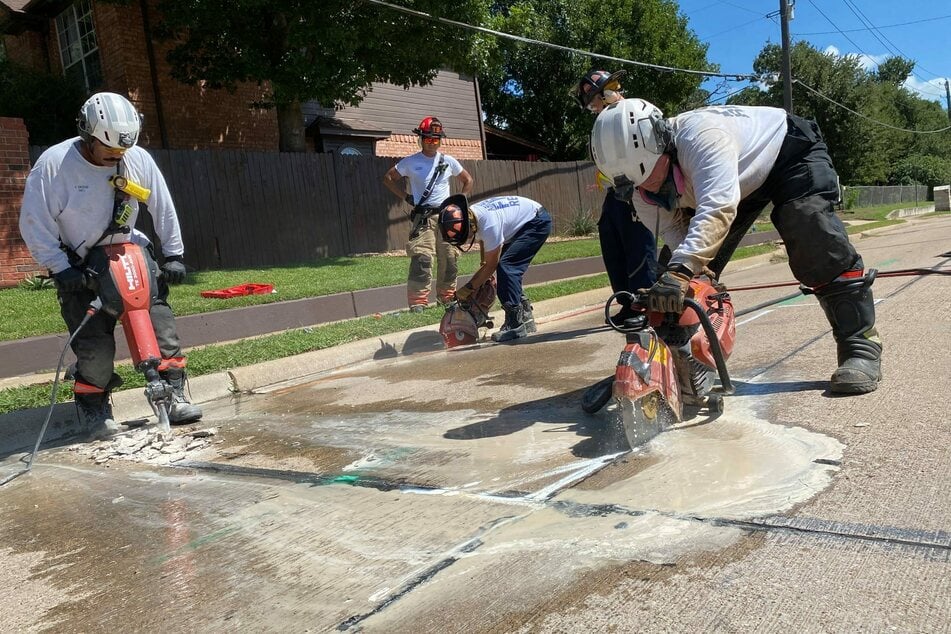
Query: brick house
[[74, 38], [71, 37]]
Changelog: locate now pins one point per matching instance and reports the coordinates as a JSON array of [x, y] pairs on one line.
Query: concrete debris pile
[[148, 444]]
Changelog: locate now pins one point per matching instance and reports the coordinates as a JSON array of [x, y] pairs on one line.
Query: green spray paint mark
[[885, 263], [195, 544]]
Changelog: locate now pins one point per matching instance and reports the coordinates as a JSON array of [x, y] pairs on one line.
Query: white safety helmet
[[111, 119], [628, 138]]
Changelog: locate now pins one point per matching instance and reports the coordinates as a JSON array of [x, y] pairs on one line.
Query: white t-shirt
[[69, 199], [419, 169], [725, 154], [500, 217]]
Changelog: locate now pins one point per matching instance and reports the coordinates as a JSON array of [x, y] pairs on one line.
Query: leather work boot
[[182, 411], [850, 309], [95, 415], [527, 317], [514, 326]]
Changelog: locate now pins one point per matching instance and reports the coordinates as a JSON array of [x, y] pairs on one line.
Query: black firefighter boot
[[182, 411], [851, 312], [514, 326], [527, 317]]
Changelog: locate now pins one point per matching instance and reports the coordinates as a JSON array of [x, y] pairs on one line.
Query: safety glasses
[[114, 151], [435, 140]]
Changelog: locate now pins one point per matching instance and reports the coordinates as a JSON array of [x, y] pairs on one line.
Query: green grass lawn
[[28, 313]]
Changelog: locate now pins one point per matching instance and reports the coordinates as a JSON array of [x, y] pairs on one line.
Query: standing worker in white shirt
[[511, 229], [429, 173], [711, 172]]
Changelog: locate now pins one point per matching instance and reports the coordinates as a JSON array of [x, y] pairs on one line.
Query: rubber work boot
[[527, 317], [618, 319], [95, 415], [514, 326], [182, 410], [850, 309]]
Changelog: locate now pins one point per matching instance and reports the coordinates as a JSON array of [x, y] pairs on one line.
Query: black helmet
[[454, 223], [594, 83], [430, 128]]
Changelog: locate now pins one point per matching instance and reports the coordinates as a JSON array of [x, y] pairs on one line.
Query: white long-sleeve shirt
[[68, 199], [725, 154]]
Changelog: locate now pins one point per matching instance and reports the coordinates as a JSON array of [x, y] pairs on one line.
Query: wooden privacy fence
[[243, 209]]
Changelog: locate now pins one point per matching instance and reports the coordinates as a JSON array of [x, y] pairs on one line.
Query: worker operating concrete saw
[[463, 320]]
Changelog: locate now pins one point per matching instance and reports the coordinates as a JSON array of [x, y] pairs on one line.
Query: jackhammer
[[125, 280]]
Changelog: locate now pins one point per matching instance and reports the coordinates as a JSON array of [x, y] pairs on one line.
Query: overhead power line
[[887, 26], [527, 40], [669, 69], [857, 47], [867, 118]]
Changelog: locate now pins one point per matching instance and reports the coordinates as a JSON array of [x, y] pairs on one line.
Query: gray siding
[[451, 98]]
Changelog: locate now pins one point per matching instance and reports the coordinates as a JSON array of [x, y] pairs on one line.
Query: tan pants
[[421, 251]]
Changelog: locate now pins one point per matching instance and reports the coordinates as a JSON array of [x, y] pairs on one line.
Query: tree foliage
[[329, 51], [922, 170], [864, 152], [525, 89], [47, 103]]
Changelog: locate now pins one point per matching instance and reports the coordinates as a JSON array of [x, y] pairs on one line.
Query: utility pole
[[947, 96], [784, 10]]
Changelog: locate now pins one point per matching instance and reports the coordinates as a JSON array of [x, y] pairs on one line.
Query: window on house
[[78, 48]]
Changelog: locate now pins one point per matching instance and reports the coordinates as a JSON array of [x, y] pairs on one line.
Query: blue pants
[[627, 247], [517, 255]]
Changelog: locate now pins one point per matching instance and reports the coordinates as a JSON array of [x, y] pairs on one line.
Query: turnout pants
[[627, 247], [428, 246], [518, 254], [803, 188]]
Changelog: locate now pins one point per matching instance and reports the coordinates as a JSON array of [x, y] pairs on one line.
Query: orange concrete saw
[[669, 361]]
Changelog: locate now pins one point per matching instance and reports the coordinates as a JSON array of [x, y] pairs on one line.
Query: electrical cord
[[94, 307]]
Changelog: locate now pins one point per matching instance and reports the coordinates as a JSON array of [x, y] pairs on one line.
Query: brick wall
[[195, 117], [15, 261], [399, 145]]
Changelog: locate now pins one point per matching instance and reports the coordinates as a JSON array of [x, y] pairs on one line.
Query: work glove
[[70, 280], [174, 269], [465, 293], [717, 284], [667, 294], [409, 200]]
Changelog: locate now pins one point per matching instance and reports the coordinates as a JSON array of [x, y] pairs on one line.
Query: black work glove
[[409, 200], [668, 292], [174, 269], [70, 280]]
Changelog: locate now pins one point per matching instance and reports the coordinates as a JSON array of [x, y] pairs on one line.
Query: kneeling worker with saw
[[511, 229]]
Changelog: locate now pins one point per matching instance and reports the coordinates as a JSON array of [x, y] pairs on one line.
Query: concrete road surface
[[466, 491]]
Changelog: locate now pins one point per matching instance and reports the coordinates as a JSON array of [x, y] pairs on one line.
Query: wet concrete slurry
[[466, 491], [329, 501]]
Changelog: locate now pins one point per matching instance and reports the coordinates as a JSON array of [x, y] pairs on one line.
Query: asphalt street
[[412, 489]]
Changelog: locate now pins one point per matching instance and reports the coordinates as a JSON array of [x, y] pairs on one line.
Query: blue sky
[[737, 30]]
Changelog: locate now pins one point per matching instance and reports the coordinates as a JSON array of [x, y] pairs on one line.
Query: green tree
[[301, 50], [924, 170], [863, 151], [47, 103], [526, 87]]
